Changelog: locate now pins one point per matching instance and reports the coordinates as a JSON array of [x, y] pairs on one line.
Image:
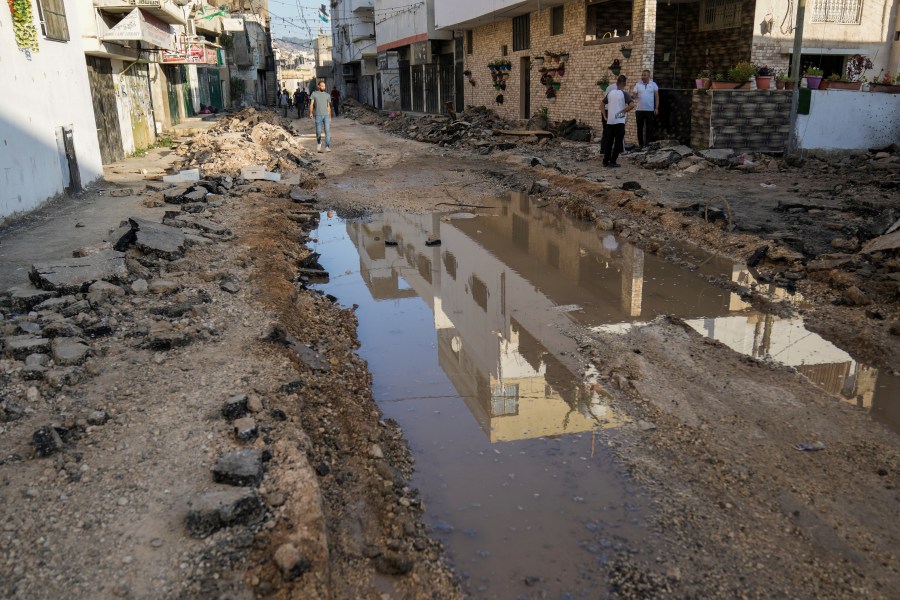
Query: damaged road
[[200, 424]]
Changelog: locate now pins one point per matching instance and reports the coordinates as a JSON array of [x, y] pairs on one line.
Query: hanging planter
[[499, 99], [557, 85], [616, 67], [626, 51], [23, 25], [546, 80], [564, 56], [538, 60], [561, 71]]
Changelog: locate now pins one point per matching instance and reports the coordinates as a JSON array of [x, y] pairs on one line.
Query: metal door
[[215, 89], [447, 77], [172, 93], [106, 115], [432, 93], [417, 74], [185, 85], [405, 86], [459, 79]]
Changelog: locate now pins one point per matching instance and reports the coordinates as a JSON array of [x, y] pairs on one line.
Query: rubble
[[224, 507], [76, 274]]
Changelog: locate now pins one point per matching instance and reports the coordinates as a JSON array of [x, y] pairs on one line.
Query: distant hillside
[[293, 43]]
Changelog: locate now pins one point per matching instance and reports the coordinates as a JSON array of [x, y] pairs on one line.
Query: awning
[[139, 26]]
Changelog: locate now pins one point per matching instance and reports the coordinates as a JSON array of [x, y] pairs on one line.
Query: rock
[[10, 411], [391, 563], [646, 425], [69, 351], [696, 168], [224, 507], [121, 193], [661, 159], [102, 290], [60, 376], [539, 187], [46, 441], [375, 451], [164, 337], [20, 346], [631, 186], [28, 327], [76, 274], [682, 151], [139, 286], [239, 468], [82, 306], [155, 238], [37, 360], [230, 287], [302, 197], [207, 226], [24, 298], [254, 403], [32, 394], [163, 286], [718, 156], [856, 297], [290, 562], [245, 429], [98, 417], [198, 195], [235, 407]]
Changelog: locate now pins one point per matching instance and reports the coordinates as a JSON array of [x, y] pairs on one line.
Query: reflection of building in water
[[505, 288]]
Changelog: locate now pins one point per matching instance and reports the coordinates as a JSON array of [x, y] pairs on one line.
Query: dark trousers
[[613, 142], [334, 106], [646, 121]]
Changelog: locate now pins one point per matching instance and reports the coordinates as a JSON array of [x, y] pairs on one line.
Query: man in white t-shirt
[[647, 93], [616, 104]]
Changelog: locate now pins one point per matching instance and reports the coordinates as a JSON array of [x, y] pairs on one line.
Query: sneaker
[[319, 147], [614, 165], [327, 148]]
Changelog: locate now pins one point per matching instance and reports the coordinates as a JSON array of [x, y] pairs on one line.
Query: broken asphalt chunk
[[239, 468], [235, 407], [76, 274], [46, 441], [155, 238], [225, 507]]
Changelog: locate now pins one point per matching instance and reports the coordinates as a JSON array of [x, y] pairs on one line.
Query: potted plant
[[546, 79], [785, 82], [561, 70], [886, 84], [720, 82], [551, 94], [552, 56], [626, 51], [538, 60], [557, 85], [741, 73], [813, 76], [467, 73], [603, 82], [616, 67], [702, 80], [836, 82], [764, 76]]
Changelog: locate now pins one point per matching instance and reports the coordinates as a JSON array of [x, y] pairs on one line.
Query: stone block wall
[[579, 96], [750, 120]]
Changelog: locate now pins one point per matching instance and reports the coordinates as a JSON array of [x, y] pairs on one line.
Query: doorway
[[525, 87]]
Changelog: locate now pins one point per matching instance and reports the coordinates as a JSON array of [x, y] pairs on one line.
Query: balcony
[[165, 10], [362, 7]]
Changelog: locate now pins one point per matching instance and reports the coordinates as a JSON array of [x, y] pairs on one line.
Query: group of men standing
[[616, 104]]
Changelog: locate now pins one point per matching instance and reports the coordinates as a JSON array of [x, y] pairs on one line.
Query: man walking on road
[[647, 93], [320, 110], [615, 105]]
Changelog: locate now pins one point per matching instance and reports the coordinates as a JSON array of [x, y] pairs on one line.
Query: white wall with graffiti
[[389, 67]]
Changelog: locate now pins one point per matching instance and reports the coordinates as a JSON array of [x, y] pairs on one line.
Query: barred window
[[521, 33], [470, 42], [53, 20], [848, 12], [720, 14]]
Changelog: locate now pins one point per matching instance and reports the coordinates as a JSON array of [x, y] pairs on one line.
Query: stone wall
[[752, 120], [579, 96]]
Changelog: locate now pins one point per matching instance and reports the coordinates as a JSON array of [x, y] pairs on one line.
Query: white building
[[48, 138], [353, 39]]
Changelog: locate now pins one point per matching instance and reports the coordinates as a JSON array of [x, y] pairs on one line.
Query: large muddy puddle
[[472, 344]]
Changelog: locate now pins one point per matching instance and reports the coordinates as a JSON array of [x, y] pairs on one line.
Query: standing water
[[472, 346]]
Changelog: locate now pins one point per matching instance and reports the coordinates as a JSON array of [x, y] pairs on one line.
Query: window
[[608, 19], [470, 42], [521, 33], [848, 12], [556, 20], [53, 20], [504, 399], [720, 14]]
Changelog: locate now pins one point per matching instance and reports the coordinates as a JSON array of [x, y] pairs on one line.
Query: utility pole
[[795, 76]]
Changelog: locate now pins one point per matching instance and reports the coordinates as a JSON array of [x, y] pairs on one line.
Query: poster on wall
[[194, 54]]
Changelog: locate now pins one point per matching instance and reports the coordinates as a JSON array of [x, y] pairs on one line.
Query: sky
[[297, 18]]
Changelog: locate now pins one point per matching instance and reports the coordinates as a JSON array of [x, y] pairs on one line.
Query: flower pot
[[603, 86], [724, 85], [626, 52], [539, 60], [779, 85], [853, 86], [698, 83], [813, 81], [557, 85], [615, 70], [764, 82], [788, 85], [884, 88], [492, 68]]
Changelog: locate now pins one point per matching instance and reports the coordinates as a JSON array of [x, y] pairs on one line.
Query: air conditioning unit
[[346, 70]]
